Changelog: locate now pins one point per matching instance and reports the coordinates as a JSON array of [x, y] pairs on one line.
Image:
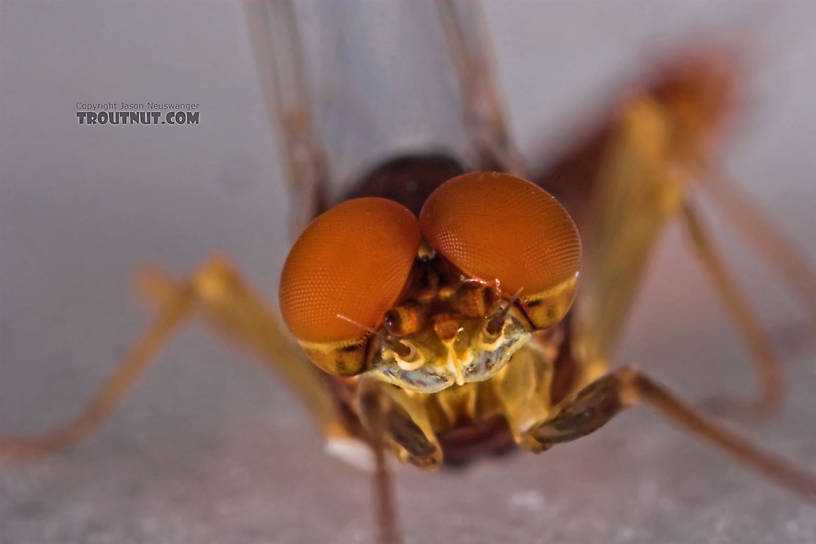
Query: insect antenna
[[402, 349], [495, 321]]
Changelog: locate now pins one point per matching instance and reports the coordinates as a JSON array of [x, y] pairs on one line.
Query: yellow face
[[458, 331], [361, 292]]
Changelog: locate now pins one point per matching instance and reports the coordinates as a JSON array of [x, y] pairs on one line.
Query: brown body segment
[[408, 179]]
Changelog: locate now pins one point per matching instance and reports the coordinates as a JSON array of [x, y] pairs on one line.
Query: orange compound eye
[[353, 260], [497, 227]]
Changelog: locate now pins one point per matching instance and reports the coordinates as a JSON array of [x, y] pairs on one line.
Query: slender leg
[[767, 364], [279, 57], [600, 401], [373, 409], [227, 302], [778, 251], [409, 428], [482, 111], [171, 314]]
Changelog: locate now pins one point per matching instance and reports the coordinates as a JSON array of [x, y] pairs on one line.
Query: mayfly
[[436, 295]]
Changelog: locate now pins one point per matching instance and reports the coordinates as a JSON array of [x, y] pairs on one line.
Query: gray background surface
[[208, 448]]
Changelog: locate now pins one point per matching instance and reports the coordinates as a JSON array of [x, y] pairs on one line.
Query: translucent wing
[[383, 82], [348, 88], [379, 81]]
